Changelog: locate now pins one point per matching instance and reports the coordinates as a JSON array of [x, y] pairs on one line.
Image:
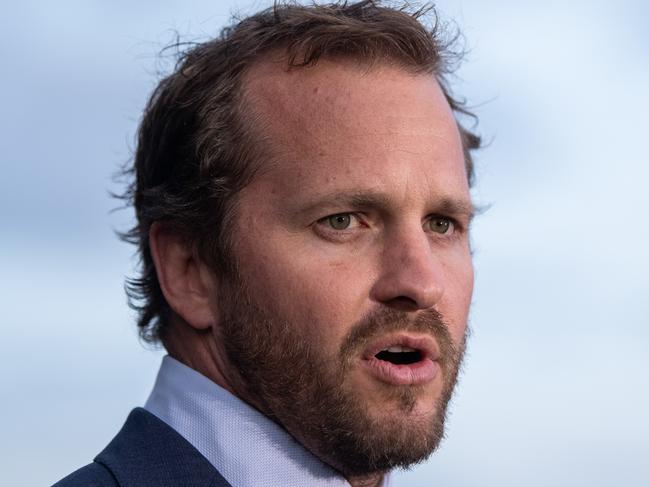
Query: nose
[[410, 276]]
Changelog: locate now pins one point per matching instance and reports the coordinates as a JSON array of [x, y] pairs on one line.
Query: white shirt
[[246, 447]]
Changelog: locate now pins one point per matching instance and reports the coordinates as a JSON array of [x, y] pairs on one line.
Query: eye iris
[[439, 225], [339, 222]]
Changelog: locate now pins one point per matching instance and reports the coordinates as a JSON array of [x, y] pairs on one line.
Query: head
[[302, 194]]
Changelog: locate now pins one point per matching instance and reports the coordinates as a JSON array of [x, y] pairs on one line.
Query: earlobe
[[186, 285]]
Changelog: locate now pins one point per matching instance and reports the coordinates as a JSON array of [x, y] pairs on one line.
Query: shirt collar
[[246, 447]]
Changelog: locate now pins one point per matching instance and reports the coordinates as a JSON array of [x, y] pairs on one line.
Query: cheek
[[320, 292], [456, 300]]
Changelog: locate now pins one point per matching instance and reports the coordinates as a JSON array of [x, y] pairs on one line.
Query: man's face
[[347, 317]]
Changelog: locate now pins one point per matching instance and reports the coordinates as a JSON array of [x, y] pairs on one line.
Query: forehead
[[338, 121]]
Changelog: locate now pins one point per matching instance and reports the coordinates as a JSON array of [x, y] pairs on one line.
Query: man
[[302, 195]]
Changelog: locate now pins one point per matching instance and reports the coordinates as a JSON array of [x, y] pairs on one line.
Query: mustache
[[386, 320]]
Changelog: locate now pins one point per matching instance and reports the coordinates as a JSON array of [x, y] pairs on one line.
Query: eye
[[439, 224], [341, 221], [340, 227]]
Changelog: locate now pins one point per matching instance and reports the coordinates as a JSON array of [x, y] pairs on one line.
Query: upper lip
[[424, 344]]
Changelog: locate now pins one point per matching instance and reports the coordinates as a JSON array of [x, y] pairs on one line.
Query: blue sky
[[555, 389]]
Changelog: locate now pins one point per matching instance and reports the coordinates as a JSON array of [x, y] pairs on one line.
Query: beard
[[289, 377]]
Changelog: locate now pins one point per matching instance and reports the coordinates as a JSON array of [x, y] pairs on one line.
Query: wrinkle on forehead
[[346, 128], [321, 104]]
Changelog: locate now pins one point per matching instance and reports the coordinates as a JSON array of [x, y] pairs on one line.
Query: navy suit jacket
[[146, 453]]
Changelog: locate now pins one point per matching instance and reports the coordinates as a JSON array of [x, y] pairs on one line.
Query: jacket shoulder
[[147, 453], [92, 475]]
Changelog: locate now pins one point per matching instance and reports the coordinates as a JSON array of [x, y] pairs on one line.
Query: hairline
[[245, 106], [254, 121]]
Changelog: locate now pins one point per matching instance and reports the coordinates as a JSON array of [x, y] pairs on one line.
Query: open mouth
[[400, 355], [403, 359]]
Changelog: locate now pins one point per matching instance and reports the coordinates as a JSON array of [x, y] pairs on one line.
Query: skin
[[378, 145]]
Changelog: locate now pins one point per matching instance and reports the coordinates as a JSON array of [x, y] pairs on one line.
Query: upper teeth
[[400, 349]]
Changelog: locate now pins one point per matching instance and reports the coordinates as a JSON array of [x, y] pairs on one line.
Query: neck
[[198, 350], [373, 480]]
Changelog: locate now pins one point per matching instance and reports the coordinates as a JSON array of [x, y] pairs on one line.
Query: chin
[[408, 401], [391, 427]]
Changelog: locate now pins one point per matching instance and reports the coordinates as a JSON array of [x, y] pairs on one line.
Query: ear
[[186, 282]]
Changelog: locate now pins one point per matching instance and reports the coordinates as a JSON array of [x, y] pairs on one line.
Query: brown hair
[[195, 150]]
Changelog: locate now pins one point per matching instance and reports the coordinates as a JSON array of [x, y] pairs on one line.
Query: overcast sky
[[555, 387]]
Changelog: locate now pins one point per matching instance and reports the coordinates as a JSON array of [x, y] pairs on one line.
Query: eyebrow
[[378, 200]]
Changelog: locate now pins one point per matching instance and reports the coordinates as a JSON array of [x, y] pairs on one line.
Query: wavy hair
[[196, 148]]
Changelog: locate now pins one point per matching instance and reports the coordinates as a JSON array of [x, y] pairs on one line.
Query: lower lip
[[417, 373]]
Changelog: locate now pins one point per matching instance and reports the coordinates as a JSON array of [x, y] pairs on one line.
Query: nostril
[[408, 287], [403, 303]]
